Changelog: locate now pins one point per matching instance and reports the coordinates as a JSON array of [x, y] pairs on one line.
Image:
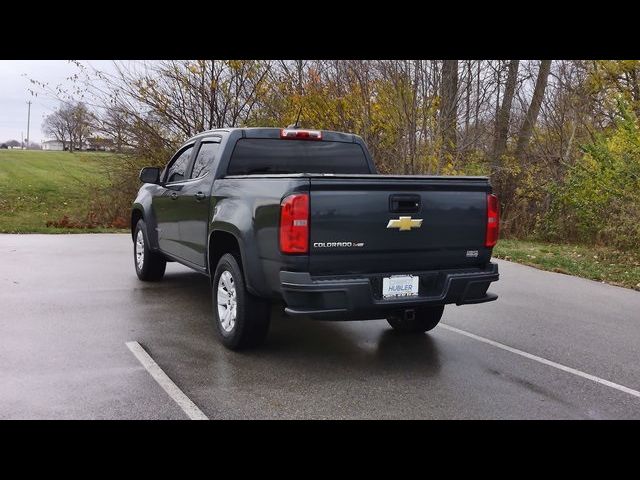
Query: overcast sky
[[14, 93]]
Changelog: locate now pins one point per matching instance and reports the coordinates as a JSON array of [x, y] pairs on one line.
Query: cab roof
[[274, 132]]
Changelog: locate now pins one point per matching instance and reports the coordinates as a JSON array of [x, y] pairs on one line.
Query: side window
[[178, 168], [204, 159]]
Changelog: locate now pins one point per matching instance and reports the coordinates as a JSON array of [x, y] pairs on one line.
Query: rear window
[[262, 155]]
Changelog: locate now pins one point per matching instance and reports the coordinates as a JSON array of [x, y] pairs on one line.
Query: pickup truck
[[301, 218]]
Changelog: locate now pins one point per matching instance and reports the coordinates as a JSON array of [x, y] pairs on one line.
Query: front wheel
[[149, 265], [425, 319], [242, 319]]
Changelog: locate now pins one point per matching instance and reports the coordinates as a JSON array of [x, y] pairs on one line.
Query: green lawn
[[37, 186], [597, 263]]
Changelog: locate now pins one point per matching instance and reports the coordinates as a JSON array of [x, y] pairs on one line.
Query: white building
[[53, 145]]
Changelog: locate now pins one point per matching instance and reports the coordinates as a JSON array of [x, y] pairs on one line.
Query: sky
[[14, 93]]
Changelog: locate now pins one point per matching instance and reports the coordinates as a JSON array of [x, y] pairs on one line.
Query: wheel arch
[[139, 212], [223, 241], [220, 242], [136, 214]]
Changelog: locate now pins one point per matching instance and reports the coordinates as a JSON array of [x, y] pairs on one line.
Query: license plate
[[400, 286]]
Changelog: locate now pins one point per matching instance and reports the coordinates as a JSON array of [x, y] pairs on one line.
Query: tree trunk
[[503, 116], [448, 104], [467, 112], [498, 85], [534, 108], [477, 113], [299, 75], [635, 90]]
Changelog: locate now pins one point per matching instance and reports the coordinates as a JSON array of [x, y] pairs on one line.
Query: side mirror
[[150, 175]]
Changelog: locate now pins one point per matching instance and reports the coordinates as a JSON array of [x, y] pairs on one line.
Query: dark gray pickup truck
[[301, 218]]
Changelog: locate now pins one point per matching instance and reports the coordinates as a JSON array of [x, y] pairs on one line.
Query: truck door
[[167, 204], [195, 199]]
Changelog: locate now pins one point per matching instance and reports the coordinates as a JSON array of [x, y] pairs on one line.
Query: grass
[[37, 186], [603, 264]]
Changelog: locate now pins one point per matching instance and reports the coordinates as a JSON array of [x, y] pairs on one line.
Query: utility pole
[[28, 122]]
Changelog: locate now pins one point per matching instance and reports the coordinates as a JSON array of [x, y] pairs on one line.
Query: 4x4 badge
[[405, 223]]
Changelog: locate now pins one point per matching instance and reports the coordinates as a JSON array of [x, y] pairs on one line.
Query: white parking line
[[184, 402], [544, 361]]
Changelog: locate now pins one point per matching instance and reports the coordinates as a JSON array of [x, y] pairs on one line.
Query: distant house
[[53, 145]]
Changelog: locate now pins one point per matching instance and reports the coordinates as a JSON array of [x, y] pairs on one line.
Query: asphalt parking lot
[[551, 347]]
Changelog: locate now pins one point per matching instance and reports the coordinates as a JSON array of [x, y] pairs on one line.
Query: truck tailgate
[[360, 224]]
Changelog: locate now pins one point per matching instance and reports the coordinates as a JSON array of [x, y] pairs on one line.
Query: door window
[[205, 158], [178, 167]]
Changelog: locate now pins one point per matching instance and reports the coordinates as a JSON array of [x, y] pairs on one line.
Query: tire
[[149, 265], [247, 323], [426, 318]]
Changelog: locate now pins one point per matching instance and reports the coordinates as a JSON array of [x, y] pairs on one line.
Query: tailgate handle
[[404, 203]]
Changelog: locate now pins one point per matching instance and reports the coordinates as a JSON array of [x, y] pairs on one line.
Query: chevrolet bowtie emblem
[[405, 223]]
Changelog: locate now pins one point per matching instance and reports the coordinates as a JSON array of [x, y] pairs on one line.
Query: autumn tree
[[534, 126]]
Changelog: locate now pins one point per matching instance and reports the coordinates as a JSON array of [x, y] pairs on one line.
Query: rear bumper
[[360, 297]]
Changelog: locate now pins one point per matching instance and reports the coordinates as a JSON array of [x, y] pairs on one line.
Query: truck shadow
[[365, 346], [294, 346]]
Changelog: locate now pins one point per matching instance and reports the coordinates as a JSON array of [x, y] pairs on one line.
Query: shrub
[[599, 200]]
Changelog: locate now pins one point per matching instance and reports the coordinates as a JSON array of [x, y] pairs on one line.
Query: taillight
[[294, 224], [493, 221], [300, 134]]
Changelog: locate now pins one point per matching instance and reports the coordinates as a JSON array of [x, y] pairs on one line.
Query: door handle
[[199, 196], [174, 196]]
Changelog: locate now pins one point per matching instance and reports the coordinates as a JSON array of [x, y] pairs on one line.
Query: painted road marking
[[544, 361], [178, 396]]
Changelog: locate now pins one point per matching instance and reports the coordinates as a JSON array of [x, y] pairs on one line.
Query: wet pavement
[[69, 303]]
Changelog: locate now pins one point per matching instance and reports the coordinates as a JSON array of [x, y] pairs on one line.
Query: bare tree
[[160, 103], [80, 121], [503, 116], [534, 108], [114, 124], [69, 124], [448, 107], [54, 126]]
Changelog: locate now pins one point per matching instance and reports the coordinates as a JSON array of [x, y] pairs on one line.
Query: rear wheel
[[149, 265], [425, 319], [242, 319]]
